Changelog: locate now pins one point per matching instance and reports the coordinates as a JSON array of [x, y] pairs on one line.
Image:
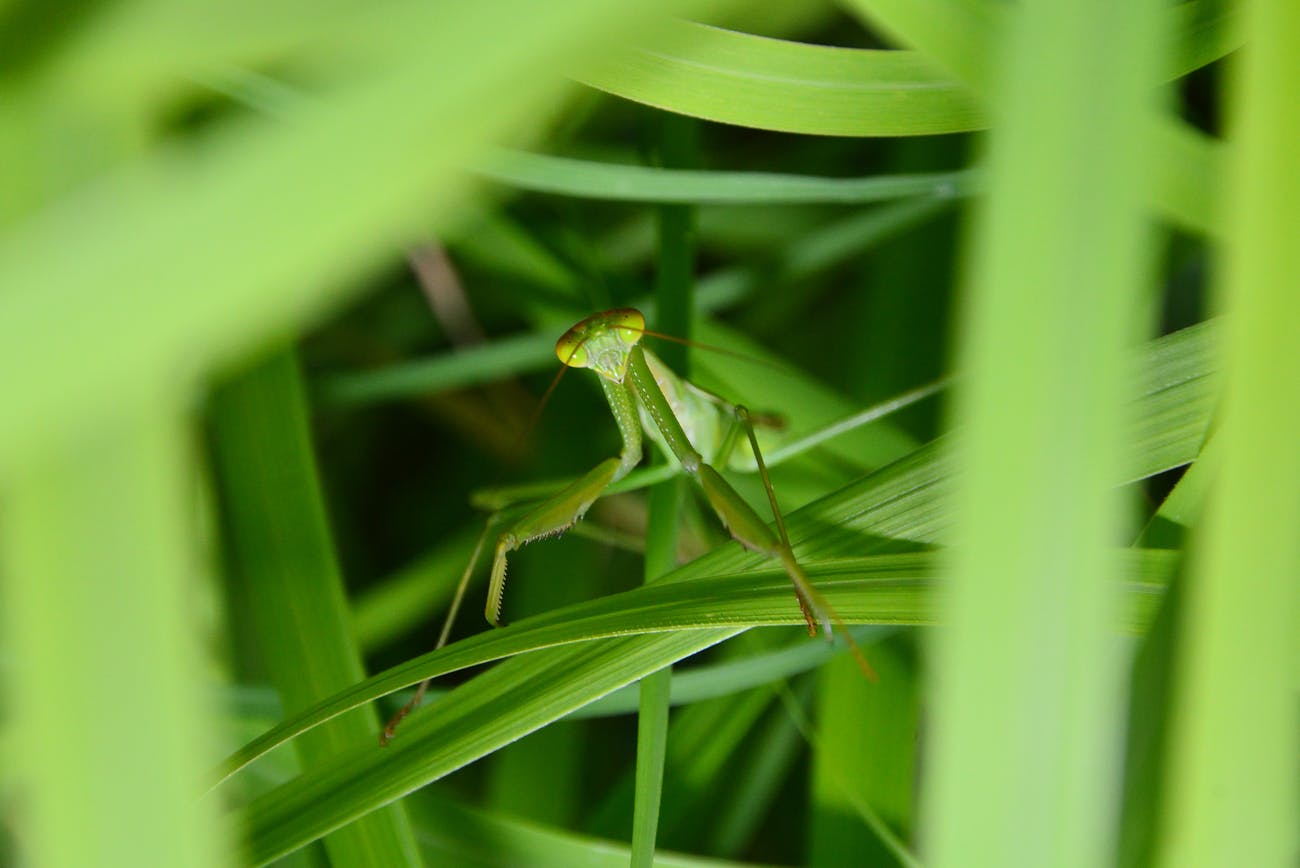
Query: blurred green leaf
[[569, 177], [1060, 265], [164, 287], [102, 700], [1230, 788]]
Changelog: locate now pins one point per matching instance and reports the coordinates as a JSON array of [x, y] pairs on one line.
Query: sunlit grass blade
[[731, 676], [775, 84], [108, 733], [530, 690], [1027, 714], [1231, 786], [583, 178]]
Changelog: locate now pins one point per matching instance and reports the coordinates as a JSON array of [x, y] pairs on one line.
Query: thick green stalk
[[98, 553], [1029, 675], [1232, 786], [674, 291]]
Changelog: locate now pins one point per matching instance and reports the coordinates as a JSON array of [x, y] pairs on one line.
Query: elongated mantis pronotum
[[699, 429]]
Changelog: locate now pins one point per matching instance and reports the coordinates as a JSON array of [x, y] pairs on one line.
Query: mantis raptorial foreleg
[[553, 516]]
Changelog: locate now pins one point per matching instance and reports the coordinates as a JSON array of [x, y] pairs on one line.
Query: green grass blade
[[1187, 178], [281, 553], [882, 589], [1232, 789], [1149, 715], [702, 739], [1182, 508], [960, 35], [866, 754], [732, 676], [1028, 713], [105, 726], [494, 709], [766, 764], [868, 816], [677, 146], [773, 84], [651, 749], [590, 180]]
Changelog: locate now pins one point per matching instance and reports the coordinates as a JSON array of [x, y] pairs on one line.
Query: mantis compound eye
[[627, 321], [571, 350]]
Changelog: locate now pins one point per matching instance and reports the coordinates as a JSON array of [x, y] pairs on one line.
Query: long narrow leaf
[[1028, 712], [515, 698], [1231, 786], [107, 727], [282, 557]]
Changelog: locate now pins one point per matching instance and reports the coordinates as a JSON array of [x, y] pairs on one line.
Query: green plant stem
[[675, 283], [1232, 790], [1028, 711]]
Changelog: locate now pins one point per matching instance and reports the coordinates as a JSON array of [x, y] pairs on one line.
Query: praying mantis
[[699, 429]]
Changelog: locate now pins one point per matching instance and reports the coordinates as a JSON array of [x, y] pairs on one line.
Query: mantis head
[[602, 342]]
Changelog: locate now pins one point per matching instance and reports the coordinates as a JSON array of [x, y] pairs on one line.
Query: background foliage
[[279, 287]]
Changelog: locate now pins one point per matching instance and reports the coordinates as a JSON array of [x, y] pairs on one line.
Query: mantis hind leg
[[755, 534], [808, 597], [749, 530]]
